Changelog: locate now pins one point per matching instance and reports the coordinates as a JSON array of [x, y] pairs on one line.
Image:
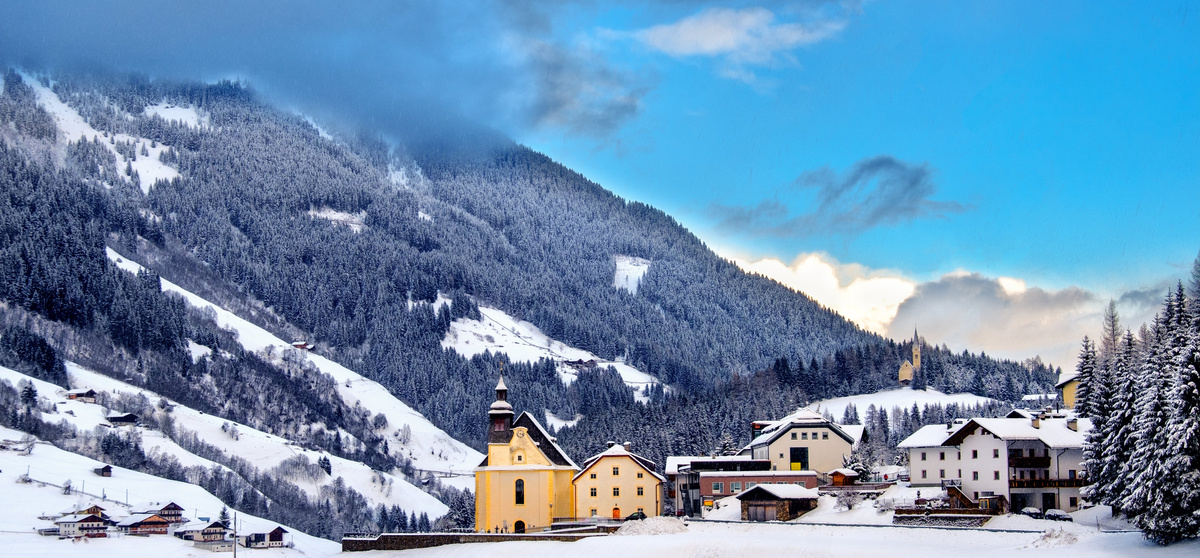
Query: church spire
[[500, 416]]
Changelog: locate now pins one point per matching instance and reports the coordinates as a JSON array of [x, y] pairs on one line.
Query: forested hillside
[[346, 242]]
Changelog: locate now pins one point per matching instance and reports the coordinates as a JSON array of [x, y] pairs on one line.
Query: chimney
[[627, 444], [1037, 422], [1073, 424]]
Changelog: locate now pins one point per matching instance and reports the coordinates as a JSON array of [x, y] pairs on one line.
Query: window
[[616, 491], [1074, 502], [718, 487], [974, 475], [941, 473], [616, 471], [923, 473], [1071, 475], [996, 475], [641, 510], [593, 492], [735, 487], [974, 454], [520, 492], [750, 485], [824, 435], [804, 436], [520, 458], [960, 473], [995, 454], [976, 494], [593, 510], [593, 475], [793, 435], [922, 456], [959, 456], [641, 492], [640, 475], [942, 455]]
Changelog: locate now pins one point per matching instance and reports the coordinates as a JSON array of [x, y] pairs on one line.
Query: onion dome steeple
[[500, 416]]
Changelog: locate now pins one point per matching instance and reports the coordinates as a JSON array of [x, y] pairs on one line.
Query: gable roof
[[800, 418], [929, 436], [543, 440], [200, 526], [140, 518], [618, 450], [1053, 432], [780, 491], [78, 518]]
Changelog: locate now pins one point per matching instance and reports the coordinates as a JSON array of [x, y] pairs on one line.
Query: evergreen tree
[[1147, 465], [1083, 374]]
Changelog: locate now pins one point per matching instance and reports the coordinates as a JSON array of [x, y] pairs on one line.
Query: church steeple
[[916, 360], [500, 416]]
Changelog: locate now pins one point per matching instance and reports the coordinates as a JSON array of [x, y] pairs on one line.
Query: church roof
[[543, 440]]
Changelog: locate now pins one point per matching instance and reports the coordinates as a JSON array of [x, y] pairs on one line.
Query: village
[[960, 474]]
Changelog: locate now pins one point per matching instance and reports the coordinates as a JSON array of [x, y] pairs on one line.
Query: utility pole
[[235, 534]]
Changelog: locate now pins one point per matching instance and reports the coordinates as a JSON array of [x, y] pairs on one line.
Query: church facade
[[525, 481], [911, 367]]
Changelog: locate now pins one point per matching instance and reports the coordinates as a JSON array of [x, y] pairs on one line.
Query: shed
[[122, 419], [105, 471], [777, 502], [843, 477]]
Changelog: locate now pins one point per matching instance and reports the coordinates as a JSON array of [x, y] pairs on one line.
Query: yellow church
[[911, 367], [525, 480]]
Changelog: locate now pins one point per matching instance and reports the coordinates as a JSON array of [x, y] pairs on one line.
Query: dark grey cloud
[[380, 63], [878, 191]]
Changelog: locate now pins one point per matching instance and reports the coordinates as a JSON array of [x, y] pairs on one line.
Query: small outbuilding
[[777, 502], [843, 477], [105, 471], [122, 419], [84, 395]]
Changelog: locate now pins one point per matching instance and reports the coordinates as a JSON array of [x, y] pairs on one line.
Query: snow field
[[187, 116], [902, 397], [72, 127], [630, 271], [522, 341], [428, 446], [48, 464]]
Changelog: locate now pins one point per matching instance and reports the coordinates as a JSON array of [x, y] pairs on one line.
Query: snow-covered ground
[[48, 464], [355, 221], [429, 447], [522, 341], [629, 272], [72, 127], [738, 540], [188, 116], [901, 397]]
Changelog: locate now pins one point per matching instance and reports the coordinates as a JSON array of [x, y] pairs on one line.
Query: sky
[[990, 173]]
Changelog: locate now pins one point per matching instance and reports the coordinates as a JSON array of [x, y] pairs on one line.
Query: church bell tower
[[500, 416]]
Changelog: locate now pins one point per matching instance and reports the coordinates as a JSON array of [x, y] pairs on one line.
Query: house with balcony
[[803, 441], [1034, 461]]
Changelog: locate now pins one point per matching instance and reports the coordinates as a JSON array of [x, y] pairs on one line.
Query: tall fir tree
[[1084, 372], [1148, 482]]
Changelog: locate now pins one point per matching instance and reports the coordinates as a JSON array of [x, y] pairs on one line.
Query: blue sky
[[990, 172]]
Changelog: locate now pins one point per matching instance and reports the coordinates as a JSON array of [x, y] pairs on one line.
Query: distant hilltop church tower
[[913, 366]]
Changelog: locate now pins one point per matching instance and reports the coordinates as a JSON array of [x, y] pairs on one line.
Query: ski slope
[[48, 466], [429, 447]]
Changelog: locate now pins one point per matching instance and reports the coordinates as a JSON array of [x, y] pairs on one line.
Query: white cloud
[[749, 36], [1002, 316], [867, 298]]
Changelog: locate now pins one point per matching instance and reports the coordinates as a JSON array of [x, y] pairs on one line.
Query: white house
[[1035, 461]]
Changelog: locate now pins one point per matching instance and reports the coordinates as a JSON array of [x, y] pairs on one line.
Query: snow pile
[[188, 116], [887, 399], [356, 221], [522, 341], [653, 526], [629, 272], [1055, 537], [74, 128], [430, 448]]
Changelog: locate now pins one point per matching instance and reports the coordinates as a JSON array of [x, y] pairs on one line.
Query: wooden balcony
[[1029, 462]]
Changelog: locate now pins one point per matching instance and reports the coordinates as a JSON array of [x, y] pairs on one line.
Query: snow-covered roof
[[80, 507], [77, 518], [153, 507], [528, 420], [779, 474], [674, 461], [618, 450], [790, 491], [846, 472], [136, 518], [198, 525], [855, 431], [929, 436], [1054, 432], [1064, 378], [802, 417]]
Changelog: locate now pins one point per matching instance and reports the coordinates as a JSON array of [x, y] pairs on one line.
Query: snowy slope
[[266, 451], [429, 447], [48, 464], [629, 272], [522, 341], [72, 127], [901, 397], [188, 116]]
